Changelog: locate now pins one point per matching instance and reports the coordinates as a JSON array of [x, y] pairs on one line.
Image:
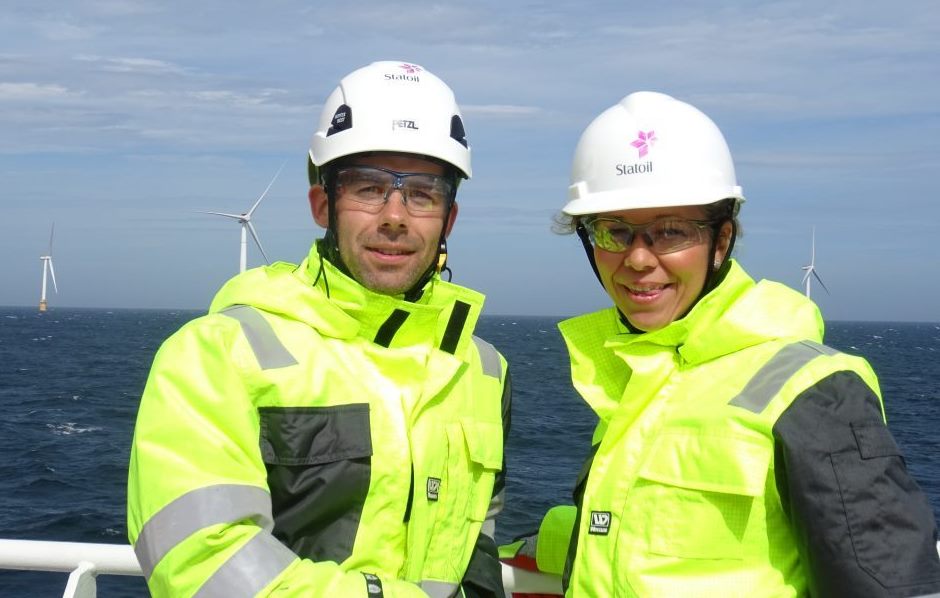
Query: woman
[[735, 455]]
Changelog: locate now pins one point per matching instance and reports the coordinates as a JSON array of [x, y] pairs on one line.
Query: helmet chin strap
[[438, 264], [589, 250], [717, 270], [330, 242]]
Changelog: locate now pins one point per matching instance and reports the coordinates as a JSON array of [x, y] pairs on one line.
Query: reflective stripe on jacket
[[296, 444], [681, 498]]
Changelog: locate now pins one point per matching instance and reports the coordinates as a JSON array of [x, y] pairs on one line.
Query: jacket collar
[[319, 294], [738, 313]]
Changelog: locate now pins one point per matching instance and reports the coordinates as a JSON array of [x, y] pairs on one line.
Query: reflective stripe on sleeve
[[249, 570], [195, 510], [768, 381], [489, 358], [268, 349]]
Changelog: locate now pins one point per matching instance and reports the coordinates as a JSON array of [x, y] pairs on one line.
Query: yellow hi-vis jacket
[[736, 455], [311, 438]]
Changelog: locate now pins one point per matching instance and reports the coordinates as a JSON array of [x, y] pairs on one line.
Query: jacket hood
[[318, 294], [737, 314]]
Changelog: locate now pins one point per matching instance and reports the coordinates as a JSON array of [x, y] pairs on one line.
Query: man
[[334, 428]]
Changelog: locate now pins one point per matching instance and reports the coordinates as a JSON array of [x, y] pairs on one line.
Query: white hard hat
[[394, 107], [647, 151]]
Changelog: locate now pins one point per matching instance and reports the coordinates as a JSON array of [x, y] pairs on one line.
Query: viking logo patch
[[434, 488], [600, 523]]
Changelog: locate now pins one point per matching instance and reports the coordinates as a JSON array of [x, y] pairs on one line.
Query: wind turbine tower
[[811, 270], [245, 220], [47, 269]]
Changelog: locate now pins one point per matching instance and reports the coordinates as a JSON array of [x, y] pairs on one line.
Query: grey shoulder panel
[[489, 357], [768, 381], [268, 349]]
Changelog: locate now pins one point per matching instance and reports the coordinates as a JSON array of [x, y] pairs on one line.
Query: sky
[[121, 120]]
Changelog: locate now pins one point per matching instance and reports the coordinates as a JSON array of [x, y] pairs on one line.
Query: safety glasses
[[422, 194], [664, 235]]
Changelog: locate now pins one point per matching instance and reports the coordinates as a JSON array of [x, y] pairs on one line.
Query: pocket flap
[[484, 443], [874, 440], [315, 435], [730, 465]]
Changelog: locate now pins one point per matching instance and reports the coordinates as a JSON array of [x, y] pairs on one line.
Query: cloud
[[60, 31], [145, 66], [499, 109], [238, 99], [32, 91]]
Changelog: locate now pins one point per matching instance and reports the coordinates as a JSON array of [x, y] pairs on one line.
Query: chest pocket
[[318, 462], [701, 494], [484, 446], [474, 455]]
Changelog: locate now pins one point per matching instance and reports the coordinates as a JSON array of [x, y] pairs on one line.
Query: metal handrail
[[86, 561], [41, 555]]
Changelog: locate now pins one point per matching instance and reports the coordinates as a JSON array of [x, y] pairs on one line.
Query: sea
[[71, 379]]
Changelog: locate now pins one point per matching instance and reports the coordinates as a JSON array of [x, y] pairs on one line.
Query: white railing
[[86, 561]]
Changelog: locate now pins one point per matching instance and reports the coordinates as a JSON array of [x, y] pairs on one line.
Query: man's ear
[[451, 218], [319, 206]]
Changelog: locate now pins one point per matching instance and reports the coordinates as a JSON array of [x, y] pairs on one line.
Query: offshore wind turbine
[[811, 269], [245, 220], [47, 269]]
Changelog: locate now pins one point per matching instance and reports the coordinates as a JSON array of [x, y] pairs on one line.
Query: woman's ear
[[724, 242]]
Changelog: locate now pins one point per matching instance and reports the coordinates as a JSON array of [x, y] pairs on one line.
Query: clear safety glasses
[[422, 194], [664, 235]]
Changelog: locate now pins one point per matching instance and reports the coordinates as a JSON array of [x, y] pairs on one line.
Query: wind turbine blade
[[235, 216], [52, 271], [820, 281], [809, 272], [254, 235], [251, 211], [51, 235]]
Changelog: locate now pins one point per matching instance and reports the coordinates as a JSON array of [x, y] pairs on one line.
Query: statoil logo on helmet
[[410, 73], [644, 141]]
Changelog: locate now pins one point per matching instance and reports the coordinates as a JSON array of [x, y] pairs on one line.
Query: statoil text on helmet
[[410, 74], [636, 168]]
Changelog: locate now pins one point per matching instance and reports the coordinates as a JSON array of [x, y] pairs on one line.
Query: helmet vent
[[457, 131], [342, 120]]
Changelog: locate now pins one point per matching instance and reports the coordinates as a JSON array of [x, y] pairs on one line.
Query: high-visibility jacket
[[738, 456], [309, 437]]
